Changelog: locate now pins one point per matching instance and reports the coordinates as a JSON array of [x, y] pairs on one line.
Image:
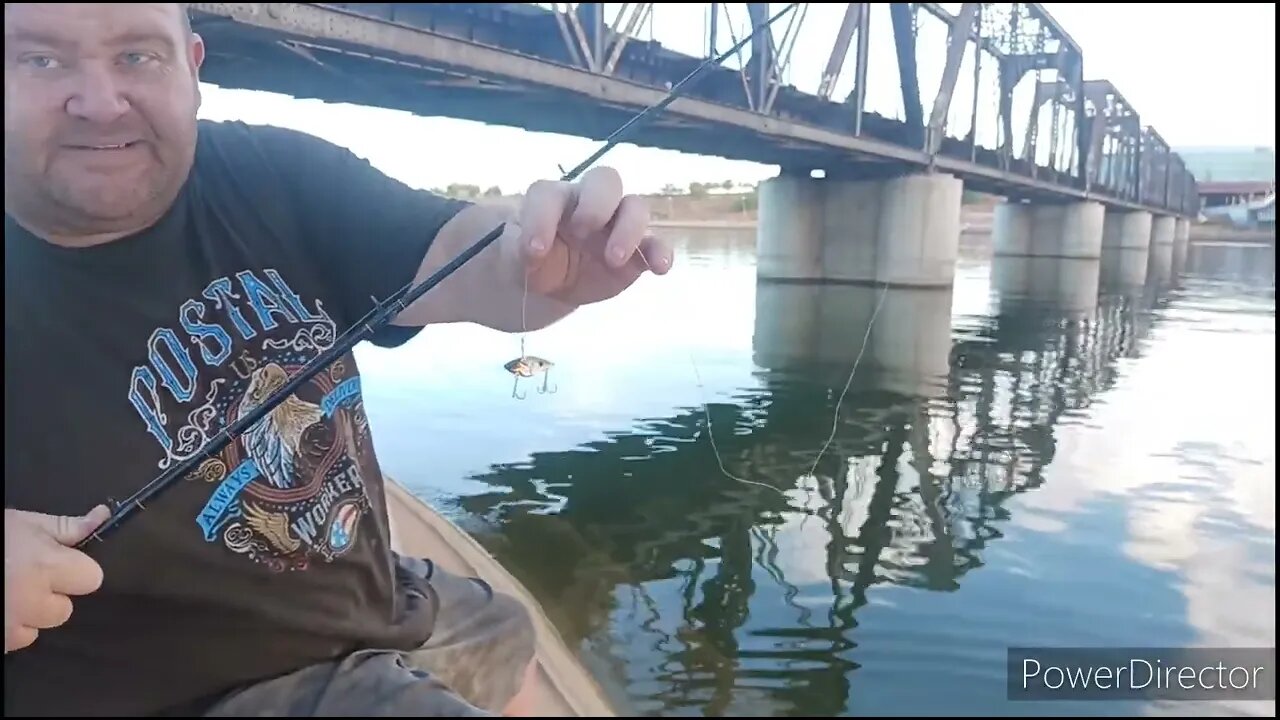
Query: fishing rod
[[381, 314]]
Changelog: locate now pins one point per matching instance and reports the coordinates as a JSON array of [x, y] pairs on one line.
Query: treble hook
[[546, 377], [514, 386]]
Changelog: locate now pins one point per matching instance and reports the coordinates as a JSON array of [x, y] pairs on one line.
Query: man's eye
[[137, 58], [40, 62]]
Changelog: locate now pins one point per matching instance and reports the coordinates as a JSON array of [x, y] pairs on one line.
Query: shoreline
[[738, 212], [1207, 234], [723, 224], [978, 224]]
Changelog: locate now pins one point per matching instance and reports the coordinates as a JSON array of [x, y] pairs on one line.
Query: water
[[1046, 455]]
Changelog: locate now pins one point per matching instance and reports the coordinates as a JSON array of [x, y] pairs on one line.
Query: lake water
[[1048, 454]]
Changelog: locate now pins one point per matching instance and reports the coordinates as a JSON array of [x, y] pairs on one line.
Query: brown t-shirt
[[124, 358]]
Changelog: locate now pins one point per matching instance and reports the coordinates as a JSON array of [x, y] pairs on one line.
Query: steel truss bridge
[[579, 70]]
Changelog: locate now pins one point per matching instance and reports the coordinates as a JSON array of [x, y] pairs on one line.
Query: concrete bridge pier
[[1061, 230], [1127, 229], [1126, 240], [903, 231], [1181, 243], [1123, 269], [1160, 265], [1163, 229], [1169, 238], [1181, 230]]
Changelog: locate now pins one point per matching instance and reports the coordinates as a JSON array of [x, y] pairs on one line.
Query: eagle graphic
[[274, 526], [273, 441]]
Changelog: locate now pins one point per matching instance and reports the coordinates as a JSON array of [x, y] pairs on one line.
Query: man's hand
[[574, 243], [42, 570], [585, 242]]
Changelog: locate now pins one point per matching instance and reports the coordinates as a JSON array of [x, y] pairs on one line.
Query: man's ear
[[196, 58], [197, 52]]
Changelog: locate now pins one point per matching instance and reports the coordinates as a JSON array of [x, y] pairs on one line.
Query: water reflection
[[899, 337], [1033, 457], [1123, 269], [1068, 285]]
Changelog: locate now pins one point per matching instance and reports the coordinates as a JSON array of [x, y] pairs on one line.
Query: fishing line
[[835, 417], [706, 411]]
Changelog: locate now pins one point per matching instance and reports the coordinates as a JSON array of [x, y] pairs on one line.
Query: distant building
[[1236, 184]]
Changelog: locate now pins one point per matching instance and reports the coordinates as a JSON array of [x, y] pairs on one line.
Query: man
[[162, 277]]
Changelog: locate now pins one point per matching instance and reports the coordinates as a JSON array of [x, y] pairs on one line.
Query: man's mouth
[[105, 146]]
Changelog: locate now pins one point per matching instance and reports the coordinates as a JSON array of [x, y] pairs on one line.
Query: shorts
[[475, 662]]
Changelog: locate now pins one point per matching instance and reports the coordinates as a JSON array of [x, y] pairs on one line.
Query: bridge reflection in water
[[693, 594]]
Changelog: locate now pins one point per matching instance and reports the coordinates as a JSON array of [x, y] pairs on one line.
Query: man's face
[[100, 110]]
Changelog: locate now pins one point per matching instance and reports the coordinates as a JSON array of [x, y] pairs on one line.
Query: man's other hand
[[42, 570]]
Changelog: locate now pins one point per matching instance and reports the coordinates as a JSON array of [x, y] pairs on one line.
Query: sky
[[1201, 77]]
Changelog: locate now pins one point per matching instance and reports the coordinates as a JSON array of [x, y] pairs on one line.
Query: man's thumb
[[71, 529]]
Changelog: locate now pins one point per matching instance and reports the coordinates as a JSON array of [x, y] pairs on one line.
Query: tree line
[[694, 189]]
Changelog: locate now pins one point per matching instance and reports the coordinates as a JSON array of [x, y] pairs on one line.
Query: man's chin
[[109, 204]]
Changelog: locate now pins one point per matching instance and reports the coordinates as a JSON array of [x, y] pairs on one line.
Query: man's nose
[[99, 97]]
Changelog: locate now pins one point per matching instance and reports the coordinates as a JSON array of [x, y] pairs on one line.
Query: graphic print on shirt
[[289, 489]]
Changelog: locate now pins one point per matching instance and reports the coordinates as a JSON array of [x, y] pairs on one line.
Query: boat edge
[[558, 667]]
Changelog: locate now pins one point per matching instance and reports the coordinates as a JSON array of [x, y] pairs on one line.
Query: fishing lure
[[527, 366]]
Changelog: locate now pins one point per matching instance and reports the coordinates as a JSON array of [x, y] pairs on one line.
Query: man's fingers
[[599, 196], [94, 519], [74, 573], [69, 529], [545, 204], [655, 255], [629, 226], [599, 225], [53, 610], [18, 637]]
